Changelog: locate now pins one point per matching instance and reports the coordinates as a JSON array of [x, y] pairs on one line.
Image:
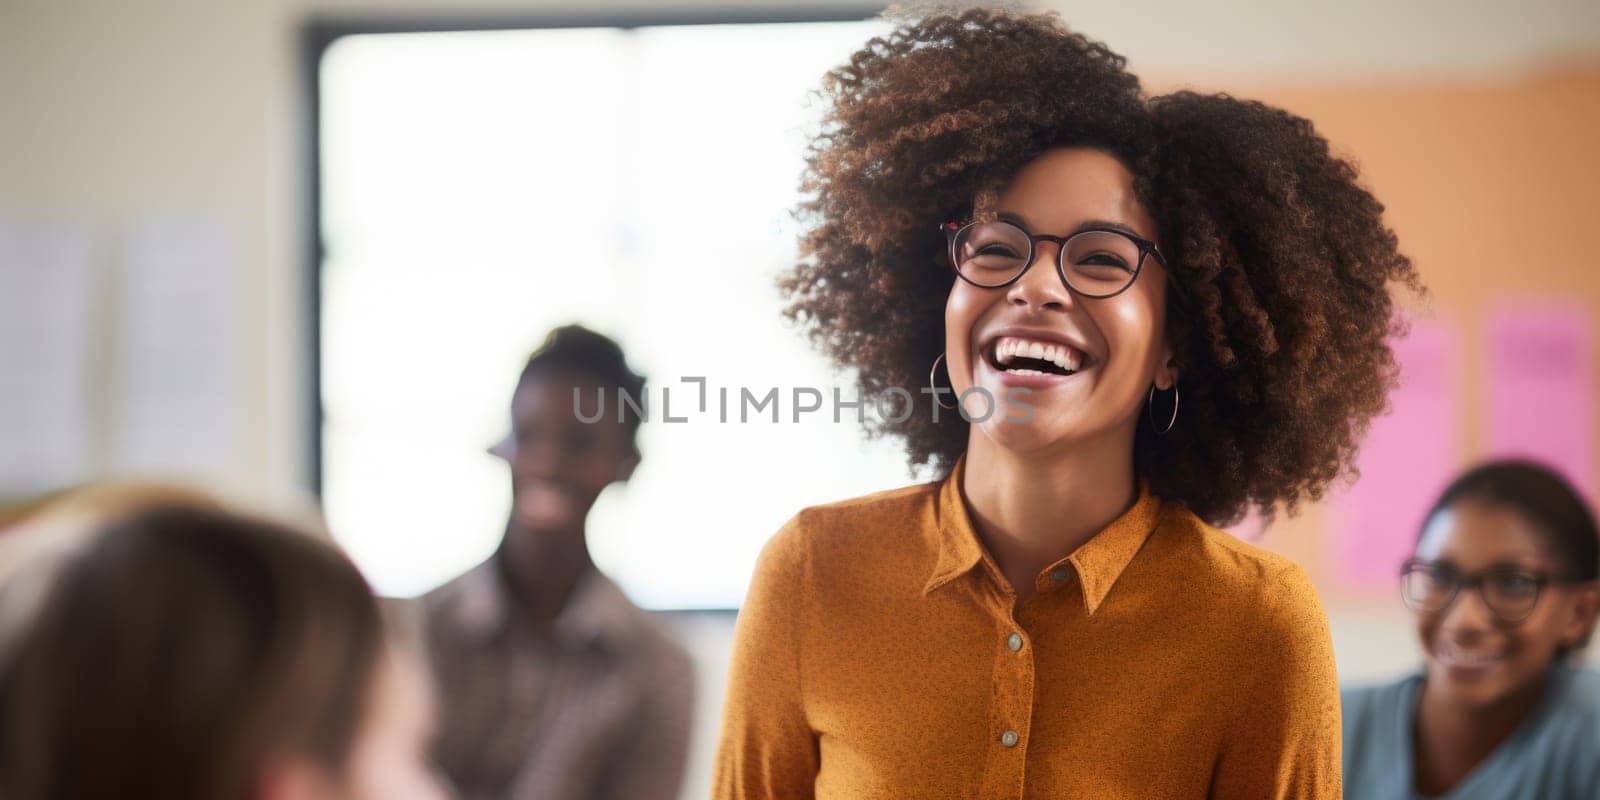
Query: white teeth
[[1010, 347], [1468, 657]]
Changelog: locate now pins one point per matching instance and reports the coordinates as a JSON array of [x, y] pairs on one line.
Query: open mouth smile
[[1451, 655], [1017, 355]]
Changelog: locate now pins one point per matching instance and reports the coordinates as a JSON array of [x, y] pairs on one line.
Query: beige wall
[[1467, 116]]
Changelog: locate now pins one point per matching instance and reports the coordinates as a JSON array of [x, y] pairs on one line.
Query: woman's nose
[[1468, 611], [1040, 285]]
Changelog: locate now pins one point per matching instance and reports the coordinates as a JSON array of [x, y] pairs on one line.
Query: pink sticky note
[[1540, 383], [1408, 457]]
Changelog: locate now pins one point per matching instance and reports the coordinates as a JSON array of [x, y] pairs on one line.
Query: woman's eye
[[1440, 578], [1102, 260], [995, 250], [1516, 584]]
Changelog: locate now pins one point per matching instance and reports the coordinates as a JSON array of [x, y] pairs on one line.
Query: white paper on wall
[[47, 310], [175, 371]]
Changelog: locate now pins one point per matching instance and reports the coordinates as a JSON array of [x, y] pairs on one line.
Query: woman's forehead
[[1065, 186], [1475, 534]]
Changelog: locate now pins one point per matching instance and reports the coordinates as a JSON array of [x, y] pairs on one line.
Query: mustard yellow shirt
[[881, 654]]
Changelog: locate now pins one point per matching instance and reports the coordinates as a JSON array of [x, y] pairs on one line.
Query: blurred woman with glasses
[[1504, 587], [1125, 320]]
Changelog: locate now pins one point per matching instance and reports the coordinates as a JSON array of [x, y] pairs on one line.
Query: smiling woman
[[1185, 301], [1505, 584]]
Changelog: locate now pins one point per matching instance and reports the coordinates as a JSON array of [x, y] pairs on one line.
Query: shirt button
[[1014, 641], [1009, 738], [1058, 574]]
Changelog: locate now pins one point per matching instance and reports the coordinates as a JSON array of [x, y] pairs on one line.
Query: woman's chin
[[1474, 687], [1021, 437]]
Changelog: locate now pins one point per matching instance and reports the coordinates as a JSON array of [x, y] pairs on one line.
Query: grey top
[[1553, 755]]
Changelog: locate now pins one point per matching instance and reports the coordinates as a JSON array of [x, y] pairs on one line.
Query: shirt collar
[[1098, 563], [957, 541], [597, 613]]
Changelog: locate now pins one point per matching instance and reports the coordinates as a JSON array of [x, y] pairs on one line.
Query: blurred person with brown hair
[[556, 686], [168, 648], [1505, 585]]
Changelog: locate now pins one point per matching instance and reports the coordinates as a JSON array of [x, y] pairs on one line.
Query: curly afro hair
[[1285, 261]]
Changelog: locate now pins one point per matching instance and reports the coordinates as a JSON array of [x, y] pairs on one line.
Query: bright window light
[[458, 169]]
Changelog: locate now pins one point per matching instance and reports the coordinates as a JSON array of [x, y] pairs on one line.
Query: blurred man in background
[[553, 685]]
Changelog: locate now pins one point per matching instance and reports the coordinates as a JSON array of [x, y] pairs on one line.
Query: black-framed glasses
[[1093, 261], [1510, 593]]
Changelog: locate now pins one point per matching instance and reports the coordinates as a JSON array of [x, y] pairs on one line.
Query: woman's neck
[[1450, 739], [542, 568], [1032, 510]]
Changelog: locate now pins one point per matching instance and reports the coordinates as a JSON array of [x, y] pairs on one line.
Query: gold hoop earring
[[1151, 414], [934, 387]]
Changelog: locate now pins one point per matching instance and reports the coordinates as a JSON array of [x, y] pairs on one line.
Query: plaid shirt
[[598, 706]]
